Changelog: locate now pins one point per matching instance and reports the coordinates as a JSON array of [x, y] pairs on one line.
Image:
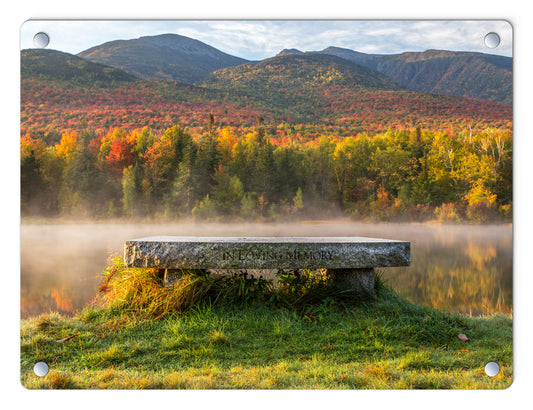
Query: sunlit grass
[[381, 343]]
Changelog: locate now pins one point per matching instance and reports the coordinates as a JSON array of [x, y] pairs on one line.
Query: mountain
[[56, 66], [295, 72], [465, 74], [287, 51], [61, 92], [164, 57], [178, 58], [366, 60]]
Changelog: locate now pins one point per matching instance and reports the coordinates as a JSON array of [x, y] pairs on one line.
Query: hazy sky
[[255, 40]]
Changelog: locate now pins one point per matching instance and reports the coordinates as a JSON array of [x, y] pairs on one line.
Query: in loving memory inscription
[[350, 260]]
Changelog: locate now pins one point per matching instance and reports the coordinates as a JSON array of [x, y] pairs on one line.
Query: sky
[[259, 39]]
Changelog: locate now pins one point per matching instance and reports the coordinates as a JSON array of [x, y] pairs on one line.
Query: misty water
[[466, 269]]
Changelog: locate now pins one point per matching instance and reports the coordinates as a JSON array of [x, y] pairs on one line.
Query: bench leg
[[360, 281], [171, 276]]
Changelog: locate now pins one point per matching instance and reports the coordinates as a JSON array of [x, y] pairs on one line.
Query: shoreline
[[123, 221]]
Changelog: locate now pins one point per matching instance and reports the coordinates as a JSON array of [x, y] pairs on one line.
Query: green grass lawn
[[381, 343]]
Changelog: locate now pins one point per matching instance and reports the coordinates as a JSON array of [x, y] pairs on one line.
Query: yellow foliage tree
[[481, 203], [225, 143], [68, 144], [480, 194]]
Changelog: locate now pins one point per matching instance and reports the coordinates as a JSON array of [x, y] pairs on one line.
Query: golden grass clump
[[218, 337], [58, 380], [142, 291]]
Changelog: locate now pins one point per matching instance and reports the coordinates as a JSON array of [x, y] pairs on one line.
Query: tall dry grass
[[142, 291]]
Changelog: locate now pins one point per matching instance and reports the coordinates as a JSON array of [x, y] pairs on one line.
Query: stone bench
[[349, 260]]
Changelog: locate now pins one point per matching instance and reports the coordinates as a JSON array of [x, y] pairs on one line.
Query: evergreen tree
[[264, 181], [31, 184], [184, 193], [132, 189], [228, 192], [298, 200], [287, 173], [207, 162], [85, 187]]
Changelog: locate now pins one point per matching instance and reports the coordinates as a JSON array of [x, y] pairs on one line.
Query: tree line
[[248, 173]]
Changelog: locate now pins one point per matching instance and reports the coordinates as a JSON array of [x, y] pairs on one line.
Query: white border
[[15, 13]]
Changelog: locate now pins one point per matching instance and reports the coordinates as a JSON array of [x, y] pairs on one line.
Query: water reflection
[[466, 269]]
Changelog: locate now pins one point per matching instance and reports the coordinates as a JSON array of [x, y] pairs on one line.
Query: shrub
[[385, 207], [447, 213], [248, 207], [205, 209], [506, 211], [480, 212], [421, 212]]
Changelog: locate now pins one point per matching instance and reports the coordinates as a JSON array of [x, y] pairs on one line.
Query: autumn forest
[[97, 142]]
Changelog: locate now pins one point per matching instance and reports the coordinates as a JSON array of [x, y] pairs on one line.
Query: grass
[[254, 342]]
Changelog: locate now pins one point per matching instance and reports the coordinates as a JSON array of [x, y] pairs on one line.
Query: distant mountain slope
[[293, 72], [64, 92], [366, 60], [178, 58], [465, 74], [474, 75], [287, 51], [52, 65], [163, 57]]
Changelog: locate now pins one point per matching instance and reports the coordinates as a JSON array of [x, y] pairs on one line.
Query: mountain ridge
[[461, 73], [297, 71], [173, 57], [54, 65], [326, 91], [163, 57], [288, 51]]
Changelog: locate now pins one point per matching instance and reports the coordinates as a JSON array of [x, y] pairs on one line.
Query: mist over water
[[466, 269]]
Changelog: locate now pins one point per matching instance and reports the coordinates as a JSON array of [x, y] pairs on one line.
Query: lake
[[459, 268]]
